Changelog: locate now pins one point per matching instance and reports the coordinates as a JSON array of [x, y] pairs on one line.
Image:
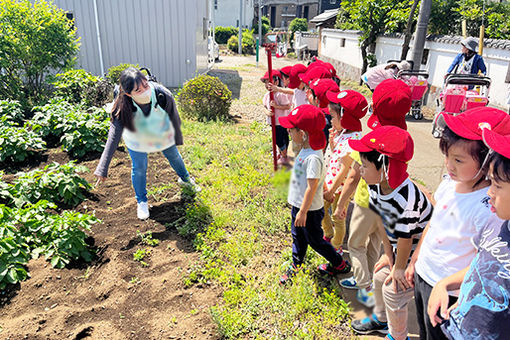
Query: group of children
[[449, 252]]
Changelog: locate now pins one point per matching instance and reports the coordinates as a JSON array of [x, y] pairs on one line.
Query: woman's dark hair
[[123, 107], [375, 158], [476, 149], [500, 167]]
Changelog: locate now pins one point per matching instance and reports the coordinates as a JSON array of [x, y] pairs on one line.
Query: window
[[425, 57], [342, 42], [285, 10], [215, 4], [305, 12], [332, 2]]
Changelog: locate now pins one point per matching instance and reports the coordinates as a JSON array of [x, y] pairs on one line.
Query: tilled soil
[[114, 297]]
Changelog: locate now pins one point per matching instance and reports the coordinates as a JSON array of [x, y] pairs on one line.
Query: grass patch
[[354, 85], [245, 242]]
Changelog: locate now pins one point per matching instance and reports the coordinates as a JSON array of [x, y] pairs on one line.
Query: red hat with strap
[[294, 75], [311, 74], [393, 142], [391, 102], [310, 119], [321, 87], [354, 106]]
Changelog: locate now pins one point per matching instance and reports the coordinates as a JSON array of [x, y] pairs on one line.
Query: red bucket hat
[[310, 119], [294, 75], [275, 73], [471, 123], [497, 142], [286, 70], [324, 64], [311, 74], [354, 105], [391, 102], [320, 87], [393, 142]]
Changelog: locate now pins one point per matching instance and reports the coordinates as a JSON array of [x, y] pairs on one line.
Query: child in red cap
[[482, 310], [346, 108], [462, 208], [391, 102], [404, 212], [316, 93], [281, 104], [305, 124]]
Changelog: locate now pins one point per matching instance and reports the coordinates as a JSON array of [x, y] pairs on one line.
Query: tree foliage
[[372, 18], [298, 25], [34, 40]]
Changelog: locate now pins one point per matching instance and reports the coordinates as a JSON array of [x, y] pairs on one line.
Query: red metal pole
[[271, 98]]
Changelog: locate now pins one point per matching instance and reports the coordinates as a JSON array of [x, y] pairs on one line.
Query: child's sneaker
[[142, 210], [283, 160], [328, 269], [369, 325], [390, 337], [190, 183], [349, 283], [366, 297], [340, 251], [289, 274], [327, 239]]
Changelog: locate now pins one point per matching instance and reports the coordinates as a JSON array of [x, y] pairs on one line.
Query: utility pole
[[240, 49], [261, 36], [421, 33]]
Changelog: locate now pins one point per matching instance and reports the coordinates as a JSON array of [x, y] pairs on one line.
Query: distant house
[[226, 13], [168, 36], [282, 12], [327, 19], [325, 5]]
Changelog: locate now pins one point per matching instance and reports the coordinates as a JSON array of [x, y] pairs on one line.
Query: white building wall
[[227, 13], [440, 57]]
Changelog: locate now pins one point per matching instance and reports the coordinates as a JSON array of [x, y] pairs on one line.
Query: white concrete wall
[[227, 13], [440, 57]]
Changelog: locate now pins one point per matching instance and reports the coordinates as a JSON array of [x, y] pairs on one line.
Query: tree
[[408, 33], [34, 40], [443, 18], [372, 18], [266, 27], [298, 25]]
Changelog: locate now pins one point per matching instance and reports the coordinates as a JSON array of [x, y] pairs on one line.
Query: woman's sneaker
[[366, 297], [328, 269], [142, 210], [349, 283], [369, 325]]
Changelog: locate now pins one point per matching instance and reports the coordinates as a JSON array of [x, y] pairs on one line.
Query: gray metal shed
[[167, 36]]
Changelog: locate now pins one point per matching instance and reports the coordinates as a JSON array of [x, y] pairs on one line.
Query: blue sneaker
[[349, 283], [366, 297], [369, 325]]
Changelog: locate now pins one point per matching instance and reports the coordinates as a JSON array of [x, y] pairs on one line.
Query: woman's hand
[[99, 180], [398, 278], [384, 261]]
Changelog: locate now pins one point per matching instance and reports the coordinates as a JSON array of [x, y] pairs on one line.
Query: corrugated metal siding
[[163, 35]]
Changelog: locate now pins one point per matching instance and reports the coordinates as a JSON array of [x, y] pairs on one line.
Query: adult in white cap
[[377, 74], [468, 62]]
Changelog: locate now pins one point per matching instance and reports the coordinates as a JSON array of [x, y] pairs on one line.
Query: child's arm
[[397, 275], [349, 188], [280, 107], [345, 165], [439, 296], [414, 258], [276, 88], [311, 188], [386, 258]]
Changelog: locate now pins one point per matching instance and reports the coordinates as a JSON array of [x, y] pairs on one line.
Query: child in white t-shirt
[[462, 209]]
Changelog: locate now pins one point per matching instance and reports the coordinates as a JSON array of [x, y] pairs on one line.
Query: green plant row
[[36, 230]]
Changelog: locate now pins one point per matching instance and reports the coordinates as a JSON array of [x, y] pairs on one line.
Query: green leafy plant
[[50, 120], [56, 183], [11, 112], [140, 254], [266, 26], [35, 40], [17, 144], [222, 34], [298, 25], [205, 98], [79, 86], [248, 43], [147, 239]]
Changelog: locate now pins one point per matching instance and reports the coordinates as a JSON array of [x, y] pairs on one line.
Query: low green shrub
[[205, 98], [57, 183], [248, 43], [113, 73], [222, 34], [79, 86]]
